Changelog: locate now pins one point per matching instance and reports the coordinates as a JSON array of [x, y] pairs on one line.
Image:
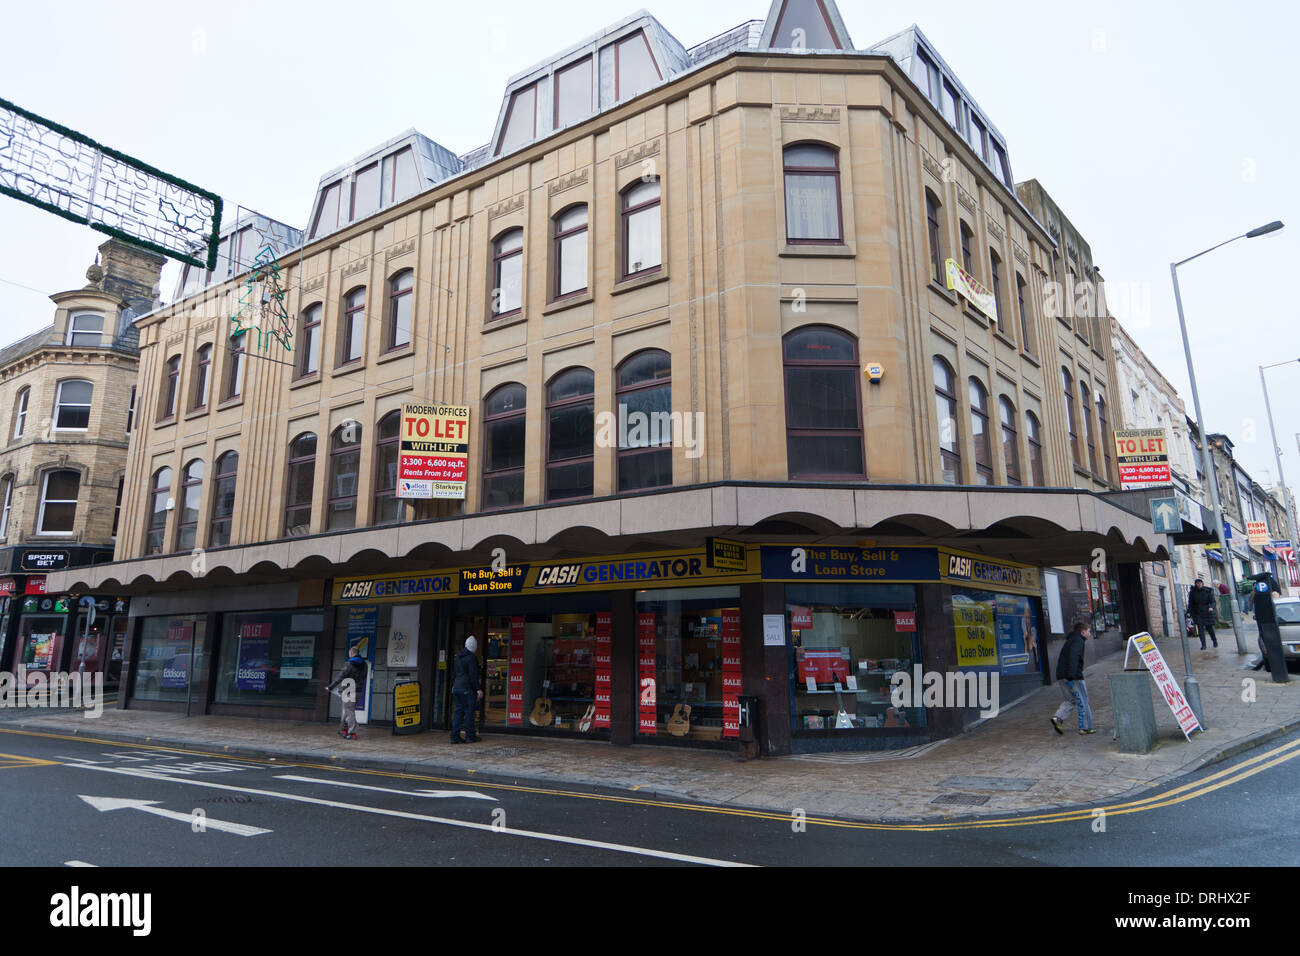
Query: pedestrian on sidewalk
[[350, 681], [1069, 672], [1200, 605], [465, 691]]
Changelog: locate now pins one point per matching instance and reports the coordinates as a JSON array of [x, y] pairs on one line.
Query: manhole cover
[[989, 783], [961, 800]]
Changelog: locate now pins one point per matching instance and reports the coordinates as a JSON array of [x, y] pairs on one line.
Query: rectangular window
[[365, 192], [85, 330], [635, 70], [521, 121], [400, 177], [327, 217], [268, 659], [951, 106], [573, 99], [172, 655]]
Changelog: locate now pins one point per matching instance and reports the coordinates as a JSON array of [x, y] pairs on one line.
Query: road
[[106, 804]]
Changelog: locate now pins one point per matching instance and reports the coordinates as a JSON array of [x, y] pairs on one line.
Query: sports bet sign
[[433, 451]]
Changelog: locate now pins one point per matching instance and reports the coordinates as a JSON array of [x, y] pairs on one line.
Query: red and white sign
[[515, 679], [604, 665], [648, 707], [35, 584], [1143, 457], [801, 619], [1257, 533], [433, 451], [1168, 684], [904, 621], [8, 586], [731, 673]]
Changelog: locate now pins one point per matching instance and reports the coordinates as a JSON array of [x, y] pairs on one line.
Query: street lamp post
[[1205, 441], [1277, 453]]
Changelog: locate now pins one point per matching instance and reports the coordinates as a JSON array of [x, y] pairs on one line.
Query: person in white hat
[[465, 691]]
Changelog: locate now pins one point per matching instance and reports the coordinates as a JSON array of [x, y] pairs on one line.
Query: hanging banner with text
[[433, 451], [1143, 457], [967, 286], [69, 174]]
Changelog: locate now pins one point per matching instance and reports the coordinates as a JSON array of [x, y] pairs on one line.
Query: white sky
[[1158, 126]]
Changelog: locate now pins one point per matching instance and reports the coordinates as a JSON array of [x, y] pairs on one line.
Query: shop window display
[[688, 662], [172, 658], [848, 641], [996, 632], [268, 658]]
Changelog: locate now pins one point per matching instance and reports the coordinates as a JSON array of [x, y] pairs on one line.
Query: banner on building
[[967, 286], [433, 451], [1143, 457], [64, 172]]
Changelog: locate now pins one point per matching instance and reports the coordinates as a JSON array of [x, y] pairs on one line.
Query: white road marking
[[93, 866], [464, 824], [106, 804], [435, 794]]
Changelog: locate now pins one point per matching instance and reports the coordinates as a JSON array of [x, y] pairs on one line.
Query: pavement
[[1012, 763]]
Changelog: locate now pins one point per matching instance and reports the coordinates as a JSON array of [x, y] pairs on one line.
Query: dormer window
[[635, 67], [86, 329], [365, 192], [804, 25], [521, 120], [573, 88], [327, 216], [400, 179]]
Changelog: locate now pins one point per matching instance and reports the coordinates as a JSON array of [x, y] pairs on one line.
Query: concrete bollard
[[1135, 715]]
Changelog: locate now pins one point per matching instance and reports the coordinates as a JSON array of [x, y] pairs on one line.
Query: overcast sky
[[1158, 126]]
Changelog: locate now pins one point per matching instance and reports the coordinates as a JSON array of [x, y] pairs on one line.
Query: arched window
[[995, 279], [159, 494], [20, 413], [400, 299], [223, 499], [812, 194], [1033, 435], [645, 408], [352, 335], [1086, 407], [1026, 320], [86, 329], [570, 434], [58, 509], [945, 391], [508, 274], [235, 366], [933, 216], [641, 230], [1010, 440], [1072, 421], [570, 252], [345, 470], [504, 446], [302, 478], [187, 526], [202, 370], [72, 406], [309, 340], [1106, 437], [170, 388], [388, 507], [823, 404], [7, 497], [979, 428]]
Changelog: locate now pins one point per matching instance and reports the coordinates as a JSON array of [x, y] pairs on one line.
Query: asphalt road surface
[[108, 804]]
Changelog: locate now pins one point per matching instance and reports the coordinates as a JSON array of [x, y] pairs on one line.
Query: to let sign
[[433, 451], [1143, 457]]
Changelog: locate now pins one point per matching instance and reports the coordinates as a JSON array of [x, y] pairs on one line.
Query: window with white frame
[[72, 406], [86, 329], [20, 413], [7, 491], [58, 509]]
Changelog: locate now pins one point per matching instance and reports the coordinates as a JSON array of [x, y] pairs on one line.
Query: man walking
[[1200, 607], [351, 680], [465, 691], [1069, 671]]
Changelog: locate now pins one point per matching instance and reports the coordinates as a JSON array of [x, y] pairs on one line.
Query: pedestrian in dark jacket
[[465, 691], [1069, 673], [350, 681], [1200, 607]]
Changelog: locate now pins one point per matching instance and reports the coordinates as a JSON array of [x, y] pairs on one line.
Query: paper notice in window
[[811, 683]]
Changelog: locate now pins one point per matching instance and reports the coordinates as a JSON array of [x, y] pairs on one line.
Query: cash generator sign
[[970, 571]]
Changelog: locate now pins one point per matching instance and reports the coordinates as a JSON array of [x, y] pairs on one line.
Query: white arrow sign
[[435, 794], [105, 804]]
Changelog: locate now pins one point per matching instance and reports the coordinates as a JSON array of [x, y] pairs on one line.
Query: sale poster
[[731, 673], [604, 667], [648, 709], [515, 674]]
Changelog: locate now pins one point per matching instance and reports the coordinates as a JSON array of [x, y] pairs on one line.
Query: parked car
[[1288, 625]]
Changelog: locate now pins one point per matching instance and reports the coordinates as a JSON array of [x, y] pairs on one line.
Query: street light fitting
[[1264, 230]]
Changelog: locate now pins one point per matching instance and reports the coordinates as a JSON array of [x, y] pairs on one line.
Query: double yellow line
[[1181, 794]]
